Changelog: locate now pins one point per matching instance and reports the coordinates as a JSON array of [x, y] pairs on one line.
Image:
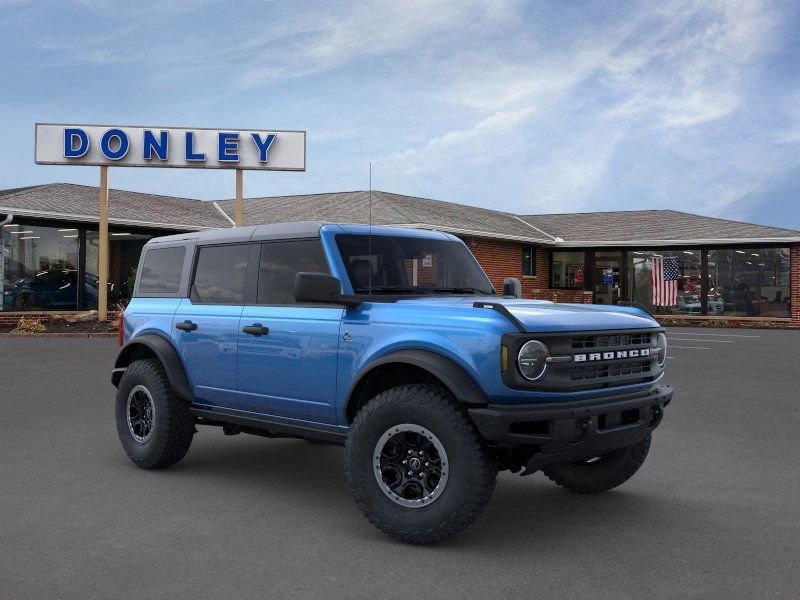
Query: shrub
[[26, 325]]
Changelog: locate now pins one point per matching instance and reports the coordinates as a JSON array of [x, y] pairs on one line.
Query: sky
[[528, 107]]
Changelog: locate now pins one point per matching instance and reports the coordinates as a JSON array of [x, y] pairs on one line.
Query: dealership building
[[722, 271]]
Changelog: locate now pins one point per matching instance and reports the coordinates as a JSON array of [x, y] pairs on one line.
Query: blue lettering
[[190, 153], [70, 137], [159, 146], [228, 142], [122, 144], [263, 145]]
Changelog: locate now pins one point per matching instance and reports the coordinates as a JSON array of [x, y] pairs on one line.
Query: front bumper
[[574, 430]]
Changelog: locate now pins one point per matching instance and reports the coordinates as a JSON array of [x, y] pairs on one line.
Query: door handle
[[186, 326], [255, 329]]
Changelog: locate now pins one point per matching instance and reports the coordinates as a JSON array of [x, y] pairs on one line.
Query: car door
[[287, 356], [206, 325]]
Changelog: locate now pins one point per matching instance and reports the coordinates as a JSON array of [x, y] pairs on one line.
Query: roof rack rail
[[496, 306]]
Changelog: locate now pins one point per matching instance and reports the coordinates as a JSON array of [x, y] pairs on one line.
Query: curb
[[57, 335]]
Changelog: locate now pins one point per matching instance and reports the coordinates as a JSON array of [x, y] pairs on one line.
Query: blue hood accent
[[546, 316]]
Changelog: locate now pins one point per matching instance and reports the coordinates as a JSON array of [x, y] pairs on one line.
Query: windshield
[[409, 265]]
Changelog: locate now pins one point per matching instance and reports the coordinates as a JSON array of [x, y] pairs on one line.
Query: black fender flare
[[166, 354], [454, 377]]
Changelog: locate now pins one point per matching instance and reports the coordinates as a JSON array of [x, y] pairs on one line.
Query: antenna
[[369, 253]]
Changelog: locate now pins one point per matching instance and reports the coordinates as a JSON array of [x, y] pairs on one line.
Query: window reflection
[[568, 270], [747, 282], [665, 295], [125, 247], [39, 268]]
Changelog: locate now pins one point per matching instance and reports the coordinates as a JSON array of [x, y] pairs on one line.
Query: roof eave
[[682, 242], [476, 233], [94, 219]]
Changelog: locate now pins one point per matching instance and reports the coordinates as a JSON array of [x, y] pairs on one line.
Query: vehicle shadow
[[529, 511]]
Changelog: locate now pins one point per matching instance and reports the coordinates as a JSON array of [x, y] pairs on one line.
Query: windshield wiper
[[461, 290], [388, 289]]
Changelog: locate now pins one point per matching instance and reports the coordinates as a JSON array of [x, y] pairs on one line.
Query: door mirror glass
[[317, 287]]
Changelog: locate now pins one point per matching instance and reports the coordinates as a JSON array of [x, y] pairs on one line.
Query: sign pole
[[239, 209], [102, 256]]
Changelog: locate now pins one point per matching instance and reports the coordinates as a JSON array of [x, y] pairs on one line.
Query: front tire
[[601, 473], [153, 424], [447, 477]]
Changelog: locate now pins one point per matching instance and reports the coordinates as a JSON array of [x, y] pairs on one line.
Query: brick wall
[[501, 259], [794, 282], [13, 317]]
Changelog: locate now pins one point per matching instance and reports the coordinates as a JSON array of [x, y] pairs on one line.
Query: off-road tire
[[607, 472], [173, 424], [472, 472]]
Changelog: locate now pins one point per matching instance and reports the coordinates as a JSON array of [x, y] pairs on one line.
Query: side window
[[161, 271], [220, 274], [529, 260], [280, 262]]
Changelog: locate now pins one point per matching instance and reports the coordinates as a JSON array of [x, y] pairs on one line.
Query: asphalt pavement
[[714, 512]]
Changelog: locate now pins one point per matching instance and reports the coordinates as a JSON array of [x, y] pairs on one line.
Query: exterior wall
[[794, 282], [501, 259]]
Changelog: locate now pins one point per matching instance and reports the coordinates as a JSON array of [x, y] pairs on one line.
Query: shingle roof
[[663, 226], [79, 202], [387, 209]]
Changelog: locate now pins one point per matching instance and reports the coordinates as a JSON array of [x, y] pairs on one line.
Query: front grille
[[610, 340], [601, 371], [604, 360]]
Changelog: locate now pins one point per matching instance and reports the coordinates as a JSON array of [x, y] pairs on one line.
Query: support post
[[239, 208], [102, 255]]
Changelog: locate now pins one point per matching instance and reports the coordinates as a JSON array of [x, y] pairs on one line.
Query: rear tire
[[424, 424], [602, 473], [153, 424]]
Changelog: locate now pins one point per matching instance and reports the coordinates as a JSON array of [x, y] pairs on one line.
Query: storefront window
[[568, 270], [39, 268], [125, 247], [746, 282], [666, 281]]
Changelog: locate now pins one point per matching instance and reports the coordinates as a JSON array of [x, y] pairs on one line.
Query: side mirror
[[317, 287], [320, 288], [512, 288]]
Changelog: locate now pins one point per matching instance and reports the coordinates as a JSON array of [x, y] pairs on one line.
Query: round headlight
[[532, 360], [661, 349]]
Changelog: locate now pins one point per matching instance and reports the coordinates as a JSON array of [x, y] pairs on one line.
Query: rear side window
[[220, 274], [161, 271], [280, 262]]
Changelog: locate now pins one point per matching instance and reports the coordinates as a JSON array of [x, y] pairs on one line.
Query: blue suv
[[394, 343]]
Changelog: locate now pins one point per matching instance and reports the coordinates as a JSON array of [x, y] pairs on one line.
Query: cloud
[[325, 40], [545, 106], [468, 146]]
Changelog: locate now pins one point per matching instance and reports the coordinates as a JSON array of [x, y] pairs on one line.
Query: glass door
[[607, 277]]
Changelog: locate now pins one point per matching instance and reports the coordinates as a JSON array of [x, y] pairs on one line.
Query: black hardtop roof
[[277, 231]]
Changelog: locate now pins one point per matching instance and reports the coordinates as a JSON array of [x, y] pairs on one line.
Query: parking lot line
[[690, 347], [700, 340], [736, 335]]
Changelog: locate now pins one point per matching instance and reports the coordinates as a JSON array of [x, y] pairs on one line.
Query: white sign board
[[189, 148]]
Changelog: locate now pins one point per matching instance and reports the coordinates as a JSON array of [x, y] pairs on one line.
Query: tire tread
[[437, 399]]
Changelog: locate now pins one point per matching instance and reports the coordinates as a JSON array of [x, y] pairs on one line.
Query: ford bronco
[[394, 343]]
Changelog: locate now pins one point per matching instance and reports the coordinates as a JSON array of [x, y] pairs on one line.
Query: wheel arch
[[408, 366], [151, 345]]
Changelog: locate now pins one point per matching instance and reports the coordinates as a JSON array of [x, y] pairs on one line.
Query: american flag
[[665, 280]]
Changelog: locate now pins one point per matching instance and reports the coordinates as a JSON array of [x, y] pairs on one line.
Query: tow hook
[[581, 427]]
